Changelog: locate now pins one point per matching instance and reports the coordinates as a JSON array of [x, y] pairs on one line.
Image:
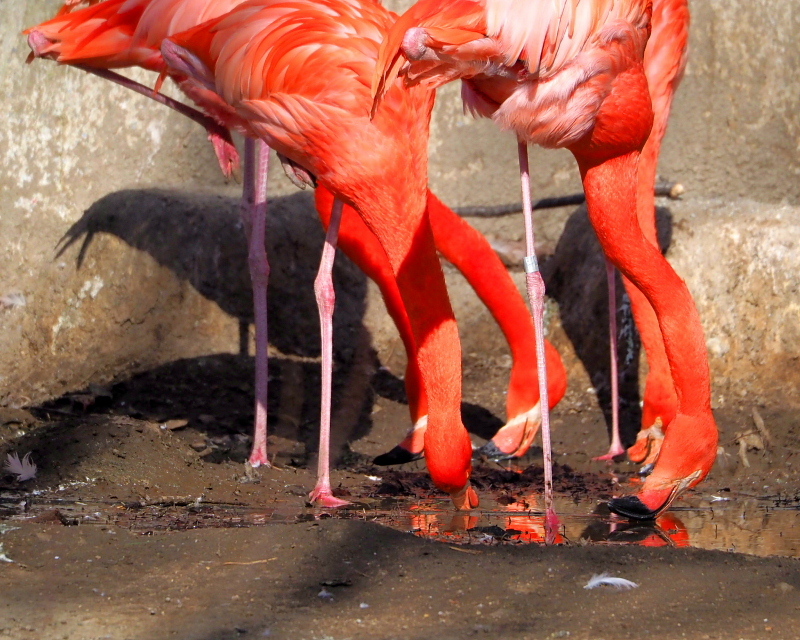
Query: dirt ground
[[142, 524]]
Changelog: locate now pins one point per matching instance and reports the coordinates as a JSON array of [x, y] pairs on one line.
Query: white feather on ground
[[3, 556], [605, 580], [24, 469], [13, 300]]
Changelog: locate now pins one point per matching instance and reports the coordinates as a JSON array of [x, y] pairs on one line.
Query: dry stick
[[672, 190]]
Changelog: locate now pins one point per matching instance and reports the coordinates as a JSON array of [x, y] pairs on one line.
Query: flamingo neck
[[611, 192]]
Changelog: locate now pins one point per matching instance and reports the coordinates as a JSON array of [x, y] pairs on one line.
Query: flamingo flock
[[343, 91]]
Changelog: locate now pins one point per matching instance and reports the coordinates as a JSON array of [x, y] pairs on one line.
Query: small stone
[[198, 445], [172, 425]]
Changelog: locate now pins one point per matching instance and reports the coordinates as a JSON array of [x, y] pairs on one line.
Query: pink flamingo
[[116, 34], [298, 73], [125, 33], [569, 74]]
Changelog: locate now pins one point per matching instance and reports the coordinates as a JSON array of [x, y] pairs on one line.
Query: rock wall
[[122, 249]]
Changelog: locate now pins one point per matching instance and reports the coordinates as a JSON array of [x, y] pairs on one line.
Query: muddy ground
[[142, 524]]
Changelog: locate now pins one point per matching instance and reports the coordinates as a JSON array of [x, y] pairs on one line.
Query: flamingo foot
[[613, 453], [259, 459], [322, 496], [514, 438], [465, 499], [648, 444], [411, 448]]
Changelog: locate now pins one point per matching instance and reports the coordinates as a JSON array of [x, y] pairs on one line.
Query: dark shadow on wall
[[575, 277], [201, 240]]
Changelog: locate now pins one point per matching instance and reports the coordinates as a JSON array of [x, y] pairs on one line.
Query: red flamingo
[[569, 73], [664, 63], [469, 251], [126, 33], [117, 34], [299, 73]]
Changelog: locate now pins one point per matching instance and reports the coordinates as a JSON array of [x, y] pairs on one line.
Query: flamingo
[[125, 33], [118, 34], [569, 73], [664, 63], [469, 251], [298, 72]]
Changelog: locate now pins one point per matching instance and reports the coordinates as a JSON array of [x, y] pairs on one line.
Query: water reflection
[[764, 526]]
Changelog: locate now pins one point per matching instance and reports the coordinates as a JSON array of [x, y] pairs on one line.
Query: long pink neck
[[610, 188], [395, 213], [469, 251]]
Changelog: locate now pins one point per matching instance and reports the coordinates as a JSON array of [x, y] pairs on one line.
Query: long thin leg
[[535, 285], [255, 175], [616, 448], [326, 298]]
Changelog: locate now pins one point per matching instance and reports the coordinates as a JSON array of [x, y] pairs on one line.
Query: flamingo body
[[299, 74], [571, 74]]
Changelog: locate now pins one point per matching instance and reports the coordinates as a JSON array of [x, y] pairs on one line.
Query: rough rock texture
[[163, 275]]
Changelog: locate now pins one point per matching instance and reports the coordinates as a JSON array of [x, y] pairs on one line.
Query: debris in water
[[325, 594], [472, 551], [24, 469], [174, 425], [605, 580], [762, 428], [252, 562]]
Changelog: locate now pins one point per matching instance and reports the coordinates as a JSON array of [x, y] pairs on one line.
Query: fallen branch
[[252, 562], [672, 190]]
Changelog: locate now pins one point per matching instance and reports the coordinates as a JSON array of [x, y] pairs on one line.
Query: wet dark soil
[[143, 523]]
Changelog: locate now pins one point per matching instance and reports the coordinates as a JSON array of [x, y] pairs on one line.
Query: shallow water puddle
[[764, 526], [746, 525]]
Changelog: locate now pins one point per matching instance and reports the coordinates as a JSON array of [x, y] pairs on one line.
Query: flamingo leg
[[254, 215], [326, 298], [535, 286], [362, 247], [616, 448]]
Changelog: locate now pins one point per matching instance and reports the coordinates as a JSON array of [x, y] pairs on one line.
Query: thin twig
[[672, 190], [252, 562], [472, 551]]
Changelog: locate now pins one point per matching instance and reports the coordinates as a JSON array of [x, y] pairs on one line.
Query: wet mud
[[142, 522]]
